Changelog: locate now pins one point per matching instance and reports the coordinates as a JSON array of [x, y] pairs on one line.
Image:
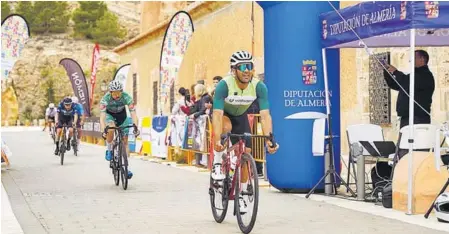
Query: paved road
[[80, 197]]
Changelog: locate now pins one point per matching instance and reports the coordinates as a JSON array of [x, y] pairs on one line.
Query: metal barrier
[[92, 132], [258, 144], [187, 156]]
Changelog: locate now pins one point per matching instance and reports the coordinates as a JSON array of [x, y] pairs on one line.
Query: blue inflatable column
[[295, 81]]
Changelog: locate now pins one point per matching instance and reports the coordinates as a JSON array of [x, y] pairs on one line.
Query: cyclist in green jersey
[[113, 113], [234, 94]]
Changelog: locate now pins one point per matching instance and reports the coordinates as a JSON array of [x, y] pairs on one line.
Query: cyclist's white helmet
[[441, 206], [51, 105], [115, 85], [241, 57], [75, 99]]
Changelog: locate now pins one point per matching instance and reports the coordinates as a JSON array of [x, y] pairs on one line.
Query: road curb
[[10, 224]]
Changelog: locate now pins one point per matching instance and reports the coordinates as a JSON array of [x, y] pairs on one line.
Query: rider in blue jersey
[[66, 115]]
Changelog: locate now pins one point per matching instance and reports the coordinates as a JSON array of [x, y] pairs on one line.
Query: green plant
[[45, 17], [108, 31], [25, 9], [93, 21], [50, 17], [86, 16], [6, 10]]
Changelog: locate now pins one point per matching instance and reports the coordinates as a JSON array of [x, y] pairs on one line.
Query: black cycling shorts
[[62, 119], [51, 119], [240, 125], [119, 117]]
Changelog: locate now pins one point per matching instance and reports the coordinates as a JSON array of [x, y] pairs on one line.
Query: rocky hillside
[[38, 68]]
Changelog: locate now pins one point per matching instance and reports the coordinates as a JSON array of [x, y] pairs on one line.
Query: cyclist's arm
[[57, 115], [265, 116], [132, 108], [75, 118], [221, 92], [103, 106], [75, 115], [81, 113]]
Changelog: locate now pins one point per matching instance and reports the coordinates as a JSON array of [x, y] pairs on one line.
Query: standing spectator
[[203, 98], [424, 88], [215, 80], [181, 106]]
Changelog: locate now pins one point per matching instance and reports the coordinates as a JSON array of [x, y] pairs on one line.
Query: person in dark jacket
[[424, 88], [202, 98]]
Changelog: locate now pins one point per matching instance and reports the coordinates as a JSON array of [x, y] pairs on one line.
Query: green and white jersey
[[234, 101], [108, 104]]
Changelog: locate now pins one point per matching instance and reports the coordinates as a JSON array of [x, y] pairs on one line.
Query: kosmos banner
[[79, 84], [174, 46], [15, 33]]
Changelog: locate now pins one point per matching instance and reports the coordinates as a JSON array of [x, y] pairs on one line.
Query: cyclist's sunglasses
[[243, 66]]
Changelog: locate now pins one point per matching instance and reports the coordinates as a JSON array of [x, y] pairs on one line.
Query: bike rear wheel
[[62, 150], [123, 162], [250, 194], [220, 190]]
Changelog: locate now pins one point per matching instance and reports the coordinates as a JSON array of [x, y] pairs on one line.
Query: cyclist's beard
[[243, 80]]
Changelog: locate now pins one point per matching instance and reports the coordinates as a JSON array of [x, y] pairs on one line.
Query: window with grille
[[135, 88], [155, 97], [379, 92]]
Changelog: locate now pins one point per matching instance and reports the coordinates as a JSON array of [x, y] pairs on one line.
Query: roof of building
[[195, 10]]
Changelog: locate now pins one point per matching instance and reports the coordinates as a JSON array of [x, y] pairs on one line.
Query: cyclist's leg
[[128, 121], [110, 121], [240, 125], [58, 133], [78, 130], [218, 156], [70, 127], [50, 123]]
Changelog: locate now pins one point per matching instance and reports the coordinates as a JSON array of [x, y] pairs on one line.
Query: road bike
[[63, 143], [231, 187], [119, 161]]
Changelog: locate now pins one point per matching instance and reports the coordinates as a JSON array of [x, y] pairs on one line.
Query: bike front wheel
[[123, 162], [219, 195], [246, 200], [115, 165], [62, 152]]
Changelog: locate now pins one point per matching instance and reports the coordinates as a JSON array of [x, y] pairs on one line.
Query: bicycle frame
[[238, 149]]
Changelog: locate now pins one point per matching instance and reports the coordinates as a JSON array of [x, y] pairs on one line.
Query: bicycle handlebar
[[119, 128], [249, 135]]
